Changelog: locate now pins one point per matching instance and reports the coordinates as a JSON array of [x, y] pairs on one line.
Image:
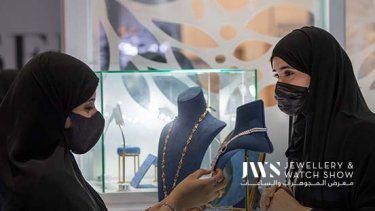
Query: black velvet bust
[[191, 105], [250, 115]]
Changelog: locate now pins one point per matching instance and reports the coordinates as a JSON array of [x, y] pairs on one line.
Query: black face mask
[[290, 98], [84, 132]]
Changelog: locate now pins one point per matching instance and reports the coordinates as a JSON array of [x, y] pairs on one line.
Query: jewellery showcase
[[158, 129]]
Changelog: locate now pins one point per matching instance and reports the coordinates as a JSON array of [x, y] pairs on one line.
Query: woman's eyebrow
[[91, 100], [283, 68]]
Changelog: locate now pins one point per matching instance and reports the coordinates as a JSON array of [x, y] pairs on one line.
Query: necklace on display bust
[[225, 144], [188, 141]]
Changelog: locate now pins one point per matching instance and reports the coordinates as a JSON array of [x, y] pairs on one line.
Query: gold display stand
[[251, 190], [121, 171]]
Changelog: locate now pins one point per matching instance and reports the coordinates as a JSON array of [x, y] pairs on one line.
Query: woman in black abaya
[[35, 165], [47, 114], [317, 87]]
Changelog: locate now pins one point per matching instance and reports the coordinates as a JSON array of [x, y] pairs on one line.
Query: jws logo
[[260, 168]]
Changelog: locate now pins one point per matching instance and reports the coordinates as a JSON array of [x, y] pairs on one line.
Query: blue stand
[[150, 160]]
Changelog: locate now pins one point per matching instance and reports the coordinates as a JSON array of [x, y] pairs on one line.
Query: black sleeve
[[360, 149]]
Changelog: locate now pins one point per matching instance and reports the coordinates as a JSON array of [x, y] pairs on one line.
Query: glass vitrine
[[138, 104]]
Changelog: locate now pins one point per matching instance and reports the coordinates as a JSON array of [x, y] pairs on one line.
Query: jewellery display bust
[[249, 133], [179, 136]]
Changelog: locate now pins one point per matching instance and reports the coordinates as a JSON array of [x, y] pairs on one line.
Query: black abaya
[[335, 125], [38, 170], [6, 79]]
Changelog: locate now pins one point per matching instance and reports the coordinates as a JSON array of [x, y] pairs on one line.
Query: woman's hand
[[283, 201], [196, 192], [266, 197], [268, 194]]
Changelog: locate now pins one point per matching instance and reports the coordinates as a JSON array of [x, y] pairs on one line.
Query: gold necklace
[[227, 141], [189, 139]]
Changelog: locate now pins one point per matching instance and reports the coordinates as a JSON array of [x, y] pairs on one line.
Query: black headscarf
[[37, 168], [336, 124], [6, 79]]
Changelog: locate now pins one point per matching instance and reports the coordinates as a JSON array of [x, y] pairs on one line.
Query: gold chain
[[189, 139]]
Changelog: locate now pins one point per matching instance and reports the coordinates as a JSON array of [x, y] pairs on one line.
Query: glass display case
[[138, 104]]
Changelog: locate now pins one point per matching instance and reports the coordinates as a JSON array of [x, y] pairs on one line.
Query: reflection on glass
[[138, 88], [171, 87]]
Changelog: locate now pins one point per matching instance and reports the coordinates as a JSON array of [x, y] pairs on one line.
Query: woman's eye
[[288, 73], [276, 75], [89, 108]]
